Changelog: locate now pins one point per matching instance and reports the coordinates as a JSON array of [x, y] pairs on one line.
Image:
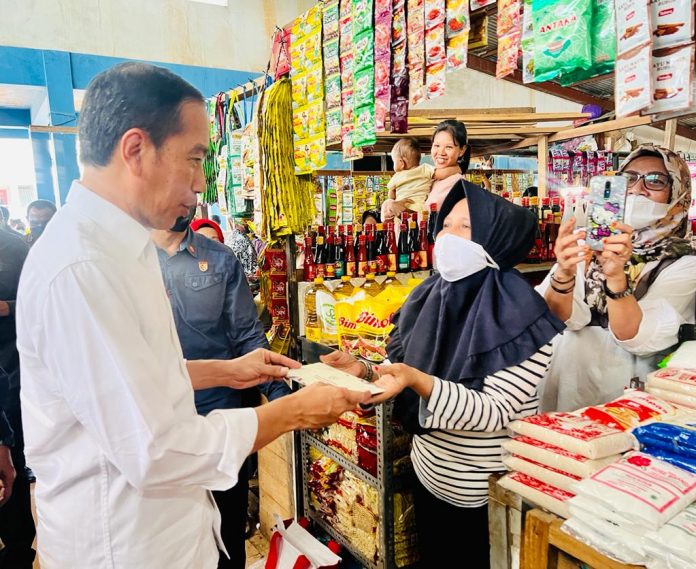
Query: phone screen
[[606, 207]]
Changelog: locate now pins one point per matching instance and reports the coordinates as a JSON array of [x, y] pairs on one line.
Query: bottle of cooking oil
[[371, 286], [312, 324], [326, 312], [344, 289], [391, 280]]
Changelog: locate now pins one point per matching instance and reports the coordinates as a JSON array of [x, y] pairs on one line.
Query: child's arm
[[392, 193], [442, 173]]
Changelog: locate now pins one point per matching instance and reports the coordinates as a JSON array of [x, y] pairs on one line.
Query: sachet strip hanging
[[383, 38], [332, 73], [350, 152], [364, 74], [415, 29], [435, 53], [398, 108], [457, 29], [288, 205]]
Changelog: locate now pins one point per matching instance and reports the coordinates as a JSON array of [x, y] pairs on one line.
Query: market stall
[[347, 77]]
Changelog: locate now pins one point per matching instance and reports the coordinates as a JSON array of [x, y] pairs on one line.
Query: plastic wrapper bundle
[[674, 545], [674, 440], [639, 490], [551, 476]]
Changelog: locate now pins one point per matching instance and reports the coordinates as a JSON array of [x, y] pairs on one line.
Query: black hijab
[[465, 330]]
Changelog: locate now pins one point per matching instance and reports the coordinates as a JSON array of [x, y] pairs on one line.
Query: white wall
[[176, 31]]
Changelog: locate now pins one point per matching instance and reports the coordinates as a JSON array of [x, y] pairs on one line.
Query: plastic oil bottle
[[344, 289], [312, 324], [371, 286], [326, 312]]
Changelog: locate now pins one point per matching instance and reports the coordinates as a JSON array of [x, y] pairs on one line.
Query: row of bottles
[[319, 301], [356, 251]]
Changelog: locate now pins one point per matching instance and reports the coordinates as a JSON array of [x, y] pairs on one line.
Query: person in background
[[124, 465], [215, 318], [624, 306], [531, 192], [208, 228], [5, 219], [468, 348], [17, 529], [18, 226], [450, 149], [216, 218], [412, 181], [371, 216], [39, 213], [238, 240]]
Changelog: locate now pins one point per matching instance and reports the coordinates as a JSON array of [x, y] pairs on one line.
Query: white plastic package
[[675, 542], [671, 379], [556, 457], [548, 497], [551, 476], [673, 397], [607, 538]]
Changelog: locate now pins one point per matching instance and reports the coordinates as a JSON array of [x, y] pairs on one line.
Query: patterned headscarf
[[665, 239]]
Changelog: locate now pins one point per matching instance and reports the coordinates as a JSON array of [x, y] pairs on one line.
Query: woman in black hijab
[[468, 348]]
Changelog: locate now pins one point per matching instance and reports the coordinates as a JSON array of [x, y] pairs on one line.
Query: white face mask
[[457, 258], [642, 211]]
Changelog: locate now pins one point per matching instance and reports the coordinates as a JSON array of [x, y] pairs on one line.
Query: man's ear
[[133, 145]]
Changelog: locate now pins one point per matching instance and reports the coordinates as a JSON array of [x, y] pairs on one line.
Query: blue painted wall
[[61, 72]]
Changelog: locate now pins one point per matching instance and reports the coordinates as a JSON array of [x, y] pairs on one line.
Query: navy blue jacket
[[215, 314]]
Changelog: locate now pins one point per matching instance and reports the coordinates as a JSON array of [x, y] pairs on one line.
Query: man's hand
[[256, 367], [321, 404], [344, 362], [4, 308], [7, 473], [249, 370]]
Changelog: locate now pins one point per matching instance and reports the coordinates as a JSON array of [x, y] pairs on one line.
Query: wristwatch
[[617, 295]]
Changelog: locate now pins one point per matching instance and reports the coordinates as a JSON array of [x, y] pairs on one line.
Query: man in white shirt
[[124, 464]]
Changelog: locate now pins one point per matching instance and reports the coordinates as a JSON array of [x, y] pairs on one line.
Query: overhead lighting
[[213, 2]]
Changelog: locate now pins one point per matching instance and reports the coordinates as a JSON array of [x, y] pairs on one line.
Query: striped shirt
[[454, 461]]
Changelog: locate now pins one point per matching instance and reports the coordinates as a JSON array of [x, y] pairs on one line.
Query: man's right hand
[[320, 404], [7, 473]]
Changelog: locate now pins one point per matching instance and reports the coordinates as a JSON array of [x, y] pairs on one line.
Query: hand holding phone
[[606, 209]]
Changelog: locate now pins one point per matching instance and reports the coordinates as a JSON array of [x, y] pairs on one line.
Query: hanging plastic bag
[[293, 547]]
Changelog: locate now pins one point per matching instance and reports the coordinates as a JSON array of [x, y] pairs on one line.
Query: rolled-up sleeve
[[114, 384], [667, 305]]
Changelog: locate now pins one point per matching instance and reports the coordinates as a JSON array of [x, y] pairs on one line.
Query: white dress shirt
[[591, 366], [123, 462]]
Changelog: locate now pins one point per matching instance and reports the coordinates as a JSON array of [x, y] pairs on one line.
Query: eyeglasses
[[653, 181]]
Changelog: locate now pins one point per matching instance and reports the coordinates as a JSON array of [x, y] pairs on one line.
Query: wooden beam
[[513, 117], [542, 165], [488, 67], [449, 113], [54, 129], [682, 130], [670, 133], [607, 126]]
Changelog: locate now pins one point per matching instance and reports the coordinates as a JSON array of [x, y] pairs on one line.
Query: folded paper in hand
[[323, 373]]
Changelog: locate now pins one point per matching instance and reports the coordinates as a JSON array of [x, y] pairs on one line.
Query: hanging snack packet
[[632, 82], [562, 41], [508, 50], [632, 24], [399, 82], [364, 86], [527, 43], [435, 45], [672, 74], [435, 80], [362, 16], [434, 13], [416, 50], [457, 33], [476, 4], [330, 20], [508, 16], [672, 22]]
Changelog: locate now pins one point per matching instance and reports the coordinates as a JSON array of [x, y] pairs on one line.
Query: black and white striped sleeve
[[454, 407]]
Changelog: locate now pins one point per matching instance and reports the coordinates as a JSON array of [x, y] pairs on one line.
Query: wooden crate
[[276, 482], [545, 546], [504, 525]]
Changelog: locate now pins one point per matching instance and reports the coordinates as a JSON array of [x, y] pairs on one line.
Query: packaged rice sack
[[676, 435], [675, 542], [629, 411], [548, 497], [687, 401], [556, 457], [561, 37], [607, 537], [546, 474], [641, 489], [679, 380], [575, 433]]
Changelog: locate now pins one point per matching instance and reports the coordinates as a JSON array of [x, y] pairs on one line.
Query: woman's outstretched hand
[[397, 377]]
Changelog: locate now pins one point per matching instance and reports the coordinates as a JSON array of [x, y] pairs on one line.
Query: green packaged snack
[[364, 120], [364, 87], [603, 36], [562, 40], [363, 49], [362, 15]]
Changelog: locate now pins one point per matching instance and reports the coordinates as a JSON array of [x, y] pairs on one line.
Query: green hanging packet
[[561, 37]]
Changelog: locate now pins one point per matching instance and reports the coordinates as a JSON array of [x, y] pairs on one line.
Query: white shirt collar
[[123, 230]]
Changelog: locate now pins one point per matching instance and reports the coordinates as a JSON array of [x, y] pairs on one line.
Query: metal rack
[[386, 483]]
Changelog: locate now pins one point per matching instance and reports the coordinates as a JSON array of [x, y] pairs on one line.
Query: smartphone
[[607, 203]]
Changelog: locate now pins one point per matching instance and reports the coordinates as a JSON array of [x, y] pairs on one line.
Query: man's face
[[38, 218], [172, 175]]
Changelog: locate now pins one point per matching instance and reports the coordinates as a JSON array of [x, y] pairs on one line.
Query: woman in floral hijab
[[623, 307]]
